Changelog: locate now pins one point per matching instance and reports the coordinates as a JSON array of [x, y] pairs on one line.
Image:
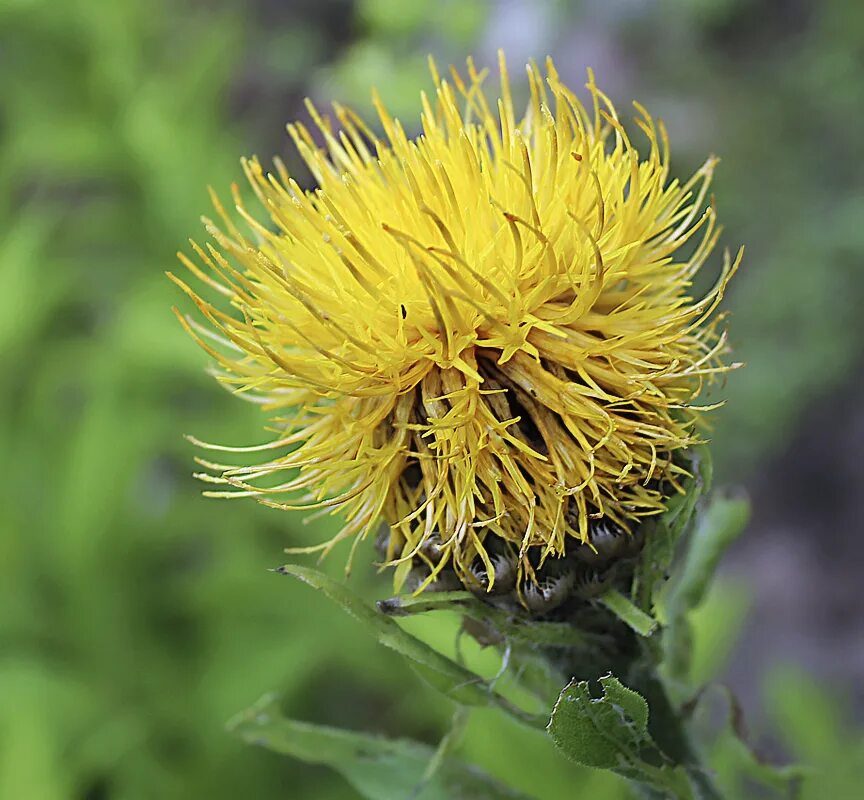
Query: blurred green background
[[136, 617]]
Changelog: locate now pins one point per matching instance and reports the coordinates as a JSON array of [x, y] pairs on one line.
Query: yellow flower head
[[484, 335]]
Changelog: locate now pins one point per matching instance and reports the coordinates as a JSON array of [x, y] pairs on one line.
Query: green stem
[[669, 731]]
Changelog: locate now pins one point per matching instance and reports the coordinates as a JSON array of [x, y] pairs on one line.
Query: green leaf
[[717, 527], [451, 679], [597, 732], [715, 627], [631, 703], [611, 732], [26, 300], [377, 767], [663, 532]]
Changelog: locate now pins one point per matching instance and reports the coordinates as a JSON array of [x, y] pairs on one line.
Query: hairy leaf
[[611, 732]]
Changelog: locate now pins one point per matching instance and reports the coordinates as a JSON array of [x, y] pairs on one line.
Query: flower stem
[[669, 731]]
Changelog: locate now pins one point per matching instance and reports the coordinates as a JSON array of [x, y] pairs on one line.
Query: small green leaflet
[[611, 732]]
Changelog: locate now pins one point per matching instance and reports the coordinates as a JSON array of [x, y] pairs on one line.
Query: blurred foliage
[[774, 88], [392, 48], [135, 617]]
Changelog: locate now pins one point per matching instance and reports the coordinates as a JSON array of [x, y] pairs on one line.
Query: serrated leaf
[[631, 703], [379, 768], [611, 732], [595, 732], [444, 674]]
